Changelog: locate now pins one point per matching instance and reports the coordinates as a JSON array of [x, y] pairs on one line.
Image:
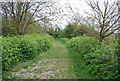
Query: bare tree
[[75, 16], [53, 17], [73, 13], [106, 16], [24, 13]]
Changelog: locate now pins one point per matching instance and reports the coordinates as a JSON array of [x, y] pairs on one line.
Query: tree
[[69, 30], [73, 13], [33, 28], [105, 16], [58, 32], [51, 31], [24, 13], [75, 30], [86, 30]]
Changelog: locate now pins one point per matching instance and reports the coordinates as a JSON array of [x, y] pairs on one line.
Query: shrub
[[101, 59], [102, 63], [23, 48], [83, 44]]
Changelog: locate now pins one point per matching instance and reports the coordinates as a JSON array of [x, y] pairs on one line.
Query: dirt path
[[52, 64]]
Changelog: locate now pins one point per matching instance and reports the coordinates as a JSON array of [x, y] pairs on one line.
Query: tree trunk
[[101, 38], [18, 28]]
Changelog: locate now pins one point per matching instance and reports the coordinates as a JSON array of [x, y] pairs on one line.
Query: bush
[[102, 62], [101, 59], [83, 44], [23, 48]]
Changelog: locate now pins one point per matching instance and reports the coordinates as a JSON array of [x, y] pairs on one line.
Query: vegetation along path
[[56, 63]]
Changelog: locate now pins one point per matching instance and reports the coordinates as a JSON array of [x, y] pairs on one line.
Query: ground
[[56, 63]]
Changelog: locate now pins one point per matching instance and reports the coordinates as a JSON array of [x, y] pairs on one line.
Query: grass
[[59, 62], [80, 69]]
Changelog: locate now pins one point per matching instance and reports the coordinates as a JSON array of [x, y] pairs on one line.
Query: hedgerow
[[22, 48], [102, 62], [100, 59], [83, 44]]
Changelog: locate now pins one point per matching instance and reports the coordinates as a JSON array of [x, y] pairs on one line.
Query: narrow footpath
[[52, 64]]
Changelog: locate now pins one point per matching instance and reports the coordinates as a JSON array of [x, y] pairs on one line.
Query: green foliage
[[69, 30], [22, 48], [101, 59], [75, 30], [63, 40], [58, 33], [83, 44], [0, 56], [9, 30], [33, 28], [118, 47], [118, 54]]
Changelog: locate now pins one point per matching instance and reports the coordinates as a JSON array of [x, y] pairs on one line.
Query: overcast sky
[[76, 5], [79, 4]]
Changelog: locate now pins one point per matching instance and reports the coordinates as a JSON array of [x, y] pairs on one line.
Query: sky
[[80, 5], [76, 4]]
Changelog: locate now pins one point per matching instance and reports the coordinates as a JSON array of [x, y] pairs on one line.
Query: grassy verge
[[80, 69]]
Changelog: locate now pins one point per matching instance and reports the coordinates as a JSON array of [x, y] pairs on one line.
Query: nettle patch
[[83, 44], [100, 59], [22, 48]]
